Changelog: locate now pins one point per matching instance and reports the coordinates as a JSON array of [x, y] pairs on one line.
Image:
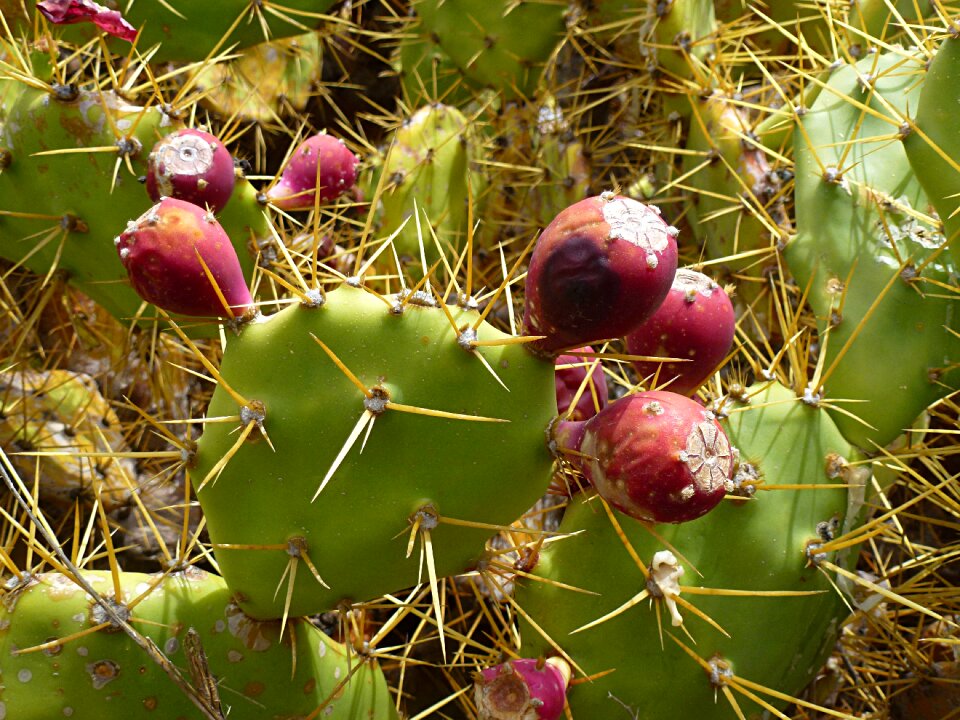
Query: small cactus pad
[[601, 268], [496, 43], [179, 258], [320, 169], [639, 658], [428, 170], [656, 456], [932, 148], [482, 459], [524, 689], [63, 413], [62, 655], [191, 165], [695, 324]]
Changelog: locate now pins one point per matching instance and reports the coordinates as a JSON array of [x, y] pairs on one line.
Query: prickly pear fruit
[[179, 258], [571, 373], [656, 456], [601, 268], [321, 167], [191, 165], [696, 323], [67, 12], [764, 545], [524, 689]]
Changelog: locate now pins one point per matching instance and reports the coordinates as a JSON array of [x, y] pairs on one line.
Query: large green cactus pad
[[189, 31], [497, 44], [875, 272], [747, 545], [104, 675], [356, 531]]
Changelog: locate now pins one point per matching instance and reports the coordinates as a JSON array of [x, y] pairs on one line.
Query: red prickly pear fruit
[[600, 268], [191, 165], [321, 166], [656, 456], [696, 322], [524, 689], [162, 252], [67, 12], [571, 371]]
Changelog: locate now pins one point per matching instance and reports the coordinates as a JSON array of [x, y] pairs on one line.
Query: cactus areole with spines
[[656, 456], [191, 165], [601, 268]]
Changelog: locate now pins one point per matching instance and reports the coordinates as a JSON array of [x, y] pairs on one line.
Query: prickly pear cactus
[[64, 657], [338, 447], [502, 45], [716, 600], [873, 264], [187, 32], [428, 171], [66, 190]]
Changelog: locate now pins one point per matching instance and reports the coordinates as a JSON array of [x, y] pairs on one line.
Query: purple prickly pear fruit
[[656, 456], [696, 322], [601, 268], [191, 165], [165, 251], [67, 12], [524, 689], [571, 371], [321, 167]]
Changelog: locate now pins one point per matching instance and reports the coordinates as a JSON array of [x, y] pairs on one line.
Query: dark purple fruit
[[601, 268], [571, 371]]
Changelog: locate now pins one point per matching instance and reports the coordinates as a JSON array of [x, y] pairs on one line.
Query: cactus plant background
[[361, 495]]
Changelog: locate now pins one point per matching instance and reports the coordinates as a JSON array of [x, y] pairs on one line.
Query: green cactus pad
[[496, 43], [356, 531], [189, 31], [59, 211], [860, 238], [681, 35], [750, 545], [934, 148], [428, 169], [104, 675], [738, 177]]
